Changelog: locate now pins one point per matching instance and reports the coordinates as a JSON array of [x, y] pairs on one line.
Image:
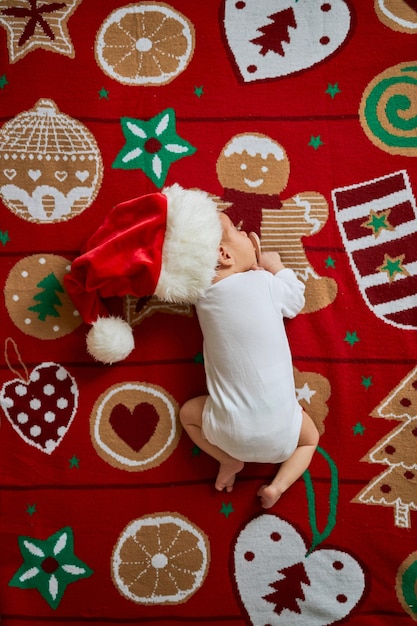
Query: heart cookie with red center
[[135, 426]]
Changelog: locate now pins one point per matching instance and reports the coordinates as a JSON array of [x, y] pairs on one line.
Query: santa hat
[[163, 244]]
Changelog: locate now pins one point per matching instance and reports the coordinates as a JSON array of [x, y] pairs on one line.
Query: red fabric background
[[41, 494]]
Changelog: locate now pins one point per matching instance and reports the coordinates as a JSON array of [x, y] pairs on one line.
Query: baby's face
[[238, 242]]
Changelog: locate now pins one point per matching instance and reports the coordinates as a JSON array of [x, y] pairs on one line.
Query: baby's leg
[[191, 415], [293, 467]]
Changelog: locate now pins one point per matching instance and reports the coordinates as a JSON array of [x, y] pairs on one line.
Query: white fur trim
[[190, 250], [110, 339]]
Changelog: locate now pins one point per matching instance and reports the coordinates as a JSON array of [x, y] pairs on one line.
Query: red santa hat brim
[[163, 244]]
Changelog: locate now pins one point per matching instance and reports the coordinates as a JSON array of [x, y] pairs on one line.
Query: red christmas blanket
[[301, 116]]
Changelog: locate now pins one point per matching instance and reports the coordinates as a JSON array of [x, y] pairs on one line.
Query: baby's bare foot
[[269, 495], [227, 475]]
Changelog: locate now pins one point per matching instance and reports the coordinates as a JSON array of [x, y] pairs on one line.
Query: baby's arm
[[288, 290], [271, 261]]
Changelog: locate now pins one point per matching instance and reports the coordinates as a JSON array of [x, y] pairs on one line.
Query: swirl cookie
[[145, 44], [36, 299], [160, 559], [405, 585], [134, 426], [386, 110]]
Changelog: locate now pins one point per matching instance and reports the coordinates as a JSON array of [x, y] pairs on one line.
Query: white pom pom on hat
[[110, 339], [163, 244]]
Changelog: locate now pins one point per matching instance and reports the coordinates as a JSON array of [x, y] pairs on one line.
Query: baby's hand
[[271, 261]]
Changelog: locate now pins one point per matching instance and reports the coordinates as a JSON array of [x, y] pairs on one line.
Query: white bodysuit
[[252, 412]]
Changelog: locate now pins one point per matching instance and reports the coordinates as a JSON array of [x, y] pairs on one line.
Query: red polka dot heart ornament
[[41, 405]]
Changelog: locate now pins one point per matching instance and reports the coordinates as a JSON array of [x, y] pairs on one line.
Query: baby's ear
[[225, 258]]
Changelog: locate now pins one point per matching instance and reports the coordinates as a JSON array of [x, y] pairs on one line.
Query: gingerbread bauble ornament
[[254, 170], [50, 165]]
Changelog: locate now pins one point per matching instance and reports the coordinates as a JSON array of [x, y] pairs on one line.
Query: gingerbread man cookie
[[253, 170]]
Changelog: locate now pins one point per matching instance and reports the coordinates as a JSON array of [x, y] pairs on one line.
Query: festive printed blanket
[[301, 116]]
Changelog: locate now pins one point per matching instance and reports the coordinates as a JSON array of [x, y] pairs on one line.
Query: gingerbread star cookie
[[31, 25]]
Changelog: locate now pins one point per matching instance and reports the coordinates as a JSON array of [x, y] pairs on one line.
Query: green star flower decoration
[[152, 146], [49, 565]]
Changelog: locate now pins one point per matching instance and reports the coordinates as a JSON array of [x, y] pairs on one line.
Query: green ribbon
[[318, 536]]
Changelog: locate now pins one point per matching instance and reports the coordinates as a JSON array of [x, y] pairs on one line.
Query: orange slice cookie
[[160, 559], [134, 426], [36, 299], [145, 44]]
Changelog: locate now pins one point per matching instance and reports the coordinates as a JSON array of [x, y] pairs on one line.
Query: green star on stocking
[[377, 222], [393, 266], [49, 566], [152, 146]]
